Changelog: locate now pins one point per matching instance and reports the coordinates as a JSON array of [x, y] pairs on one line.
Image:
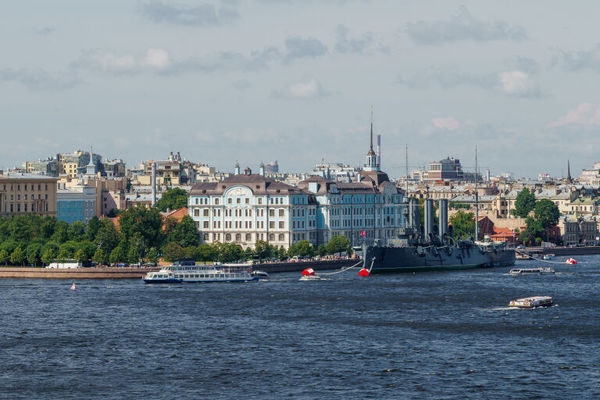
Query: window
[[281, 212]]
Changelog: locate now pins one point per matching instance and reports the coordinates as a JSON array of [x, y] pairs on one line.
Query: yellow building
[[27, 194]]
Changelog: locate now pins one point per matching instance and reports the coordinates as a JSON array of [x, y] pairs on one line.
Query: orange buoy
[[364, 272]]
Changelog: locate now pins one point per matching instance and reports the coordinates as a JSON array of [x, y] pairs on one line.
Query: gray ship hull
[[386, 259]]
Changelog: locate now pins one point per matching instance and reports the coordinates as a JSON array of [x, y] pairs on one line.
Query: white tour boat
[[531, 271], [531, 302], [202, 274]]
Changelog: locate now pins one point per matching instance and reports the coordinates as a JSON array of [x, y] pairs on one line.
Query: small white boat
[[531, 271], [260, 274], [531, 302], [548, 256]]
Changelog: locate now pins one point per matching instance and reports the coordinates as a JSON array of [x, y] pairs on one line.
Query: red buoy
[[364, 272], [571, 261], [308, 272]]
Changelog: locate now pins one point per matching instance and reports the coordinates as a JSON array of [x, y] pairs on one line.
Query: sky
[[300, 82]]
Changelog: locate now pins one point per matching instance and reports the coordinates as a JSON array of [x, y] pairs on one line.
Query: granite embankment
[[137, 273], [75, 273]]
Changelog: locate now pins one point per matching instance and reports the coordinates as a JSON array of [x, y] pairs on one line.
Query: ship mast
[[476, 198]]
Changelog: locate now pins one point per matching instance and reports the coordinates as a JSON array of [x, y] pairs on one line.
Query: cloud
[[346, 45], [462, 26], [448, 123], [448, 78], [40, 80], [303, 90], [108, 62], [518, 83], [199, 15], [586, 114], [579, 60], [512, 83], [297, 47], [44, 30]]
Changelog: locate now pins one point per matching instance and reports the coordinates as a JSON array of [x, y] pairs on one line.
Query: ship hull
[[383, 259]]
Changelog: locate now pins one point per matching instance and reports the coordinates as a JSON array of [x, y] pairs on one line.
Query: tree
[[463, 224], [303, 248], [532, 232], [524, 203], [172, 199], [183, 232], [4, 256], [547, 214], [337, 244], [18, 256]]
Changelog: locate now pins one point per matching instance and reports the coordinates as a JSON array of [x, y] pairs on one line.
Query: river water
[[407, 336]]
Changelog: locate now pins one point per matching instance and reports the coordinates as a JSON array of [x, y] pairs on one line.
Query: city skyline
[[295, 81]]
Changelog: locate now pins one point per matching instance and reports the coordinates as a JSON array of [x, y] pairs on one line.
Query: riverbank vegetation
[[137, 235]]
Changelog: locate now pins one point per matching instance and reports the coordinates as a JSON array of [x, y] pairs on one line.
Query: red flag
[[363, 233]]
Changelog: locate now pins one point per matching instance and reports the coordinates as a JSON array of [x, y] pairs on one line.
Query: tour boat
[[202, 274], [531, 302]]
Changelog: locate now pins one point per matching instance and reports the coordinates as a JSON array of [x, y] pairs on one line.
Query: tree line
[[142, 236]]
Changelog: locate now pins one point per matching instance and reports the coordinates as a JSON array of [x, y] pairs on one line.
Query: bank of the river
[[75, 273], [136, 273]]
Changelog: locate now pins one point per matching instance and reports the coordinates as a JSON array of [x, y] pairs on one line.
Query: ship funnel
[[443, 217], [428, 219], [413, 215]]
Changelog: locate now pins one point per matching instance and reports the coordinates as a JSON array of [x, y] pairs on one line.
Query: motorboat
[[548, 256], [531, 302], [260, 274], [531, 271]]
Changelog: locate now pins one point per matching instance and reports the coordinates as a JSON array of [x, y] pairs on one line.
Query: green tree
[[524, 203], [61, 232], [303, 249], [4, 256], [183, 232], [172, 199], [532, 232], [463, 224], [34, 253], [48, 254], [18, 256], [547, 214], [107, 237], [337, 244], [173, 252], [147, 222], [92, 228], [100, 256], [152, 255]]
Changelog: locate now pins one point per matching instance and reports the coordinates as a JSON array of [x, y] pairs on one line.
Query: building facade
[[27, 194], [246, 208], [75, 203]]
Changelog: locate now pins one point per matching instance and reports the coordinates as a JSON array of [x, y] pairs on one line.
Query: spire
[[371, 164], [569, 180]]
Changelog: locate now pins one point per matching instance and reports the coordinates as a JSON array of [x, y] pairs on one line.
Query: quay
[[140, 272], [74, 273], [538, 252]]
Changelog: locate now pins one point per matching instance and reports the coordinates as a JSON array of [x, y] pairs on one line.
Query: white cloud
[[518, 83], [109, 62], [586, 114], [303, 90], [157, 58], [448, 123]]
